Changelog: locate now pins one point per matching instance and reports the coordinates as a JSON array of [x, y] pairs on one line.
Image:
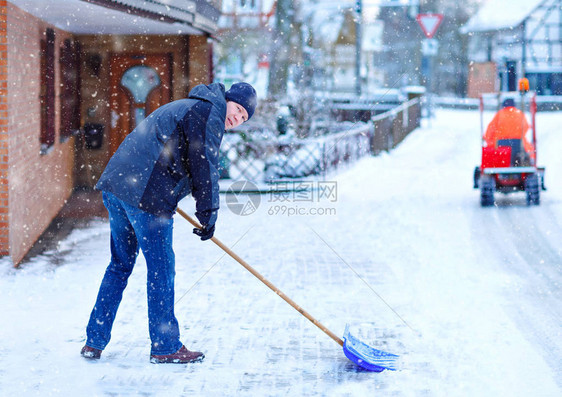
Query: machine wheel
[[532, 189], [476, 177], [487, 189]]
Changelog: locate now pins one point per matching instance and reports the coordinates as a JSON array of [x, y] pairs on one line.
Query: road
[[469, 297]]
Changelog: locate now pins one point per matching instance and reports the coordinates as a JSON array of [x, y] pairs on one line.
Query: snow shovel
[[360, 353]]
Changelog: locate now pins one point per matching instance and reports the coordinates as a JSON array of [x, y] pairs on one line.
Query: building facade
[[524, 42], [76, 76]]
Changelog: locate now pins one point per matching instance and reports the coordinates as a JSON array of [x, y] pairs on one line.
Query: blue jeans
[[131, 229]]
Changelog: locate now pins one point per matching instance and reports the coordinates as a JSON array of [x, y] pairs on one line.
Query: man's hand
[[206, 232]]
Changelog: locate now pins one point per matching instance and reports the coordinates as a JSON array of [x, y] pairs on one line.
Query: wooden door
[[139, 85]]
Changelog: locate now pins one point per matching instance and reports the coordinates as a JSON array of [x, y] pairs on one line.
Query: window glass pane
[[556, 84], [140, 80], [47, 94], [139, 115]]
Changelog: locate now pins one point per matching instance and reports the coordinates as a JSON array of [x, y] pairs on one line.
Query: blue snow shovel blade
[[365, 356]]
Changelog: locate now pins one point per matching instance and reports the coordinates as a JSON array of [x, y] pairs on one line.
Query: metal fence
[[391, 127], [264, 157], [263, 160]]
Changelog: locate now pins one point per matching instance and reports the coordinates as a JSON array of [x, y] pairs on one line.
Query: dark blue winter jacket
[[171, 153]]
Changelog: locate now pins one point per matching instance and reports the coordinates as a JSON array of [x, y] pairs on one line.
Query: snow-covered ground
[[469, 297]]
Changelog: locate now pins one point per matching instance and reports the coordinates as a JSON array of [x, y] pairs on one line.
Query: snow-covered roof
[[125, 16], [326, 17], [372, 36], [500, 14], [326, 24]]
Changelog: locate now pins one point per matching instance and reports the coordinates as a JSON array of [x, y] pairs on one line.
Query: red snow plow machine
[[509, 147]]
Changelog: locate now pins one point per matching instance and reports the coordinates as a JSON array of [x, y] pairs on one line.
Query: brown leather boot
[[90, 353], [182, 356]]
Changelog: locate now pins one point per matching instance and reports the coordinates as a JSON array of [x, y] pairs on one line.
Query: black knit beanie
[[245, 95]]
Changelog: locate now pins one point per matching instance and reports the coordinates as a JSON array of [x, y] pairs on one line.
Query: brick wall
[[4, 213], [199, 59], [38, 183]]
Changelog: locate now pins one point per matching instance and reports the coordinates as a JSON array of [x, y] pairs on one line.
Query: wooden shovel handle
[[264, 280]]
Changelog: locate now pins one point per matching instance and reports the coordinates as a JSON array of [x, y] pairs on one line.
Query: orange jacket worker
[[509, 123]]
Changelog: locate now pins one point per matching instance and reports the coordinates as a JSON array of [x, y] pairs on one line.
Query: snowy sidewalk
[[405, 226]]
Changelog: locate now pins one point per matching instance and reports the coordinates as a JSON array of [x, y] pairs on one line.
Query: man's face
[[235, 115]]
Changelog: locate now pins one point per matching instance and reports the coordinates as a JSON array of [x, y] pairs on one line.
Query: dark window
[[556, 84], [537, 83], [70, 88], [250, 3], [545, 83], [47, 95], [511, 75]]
